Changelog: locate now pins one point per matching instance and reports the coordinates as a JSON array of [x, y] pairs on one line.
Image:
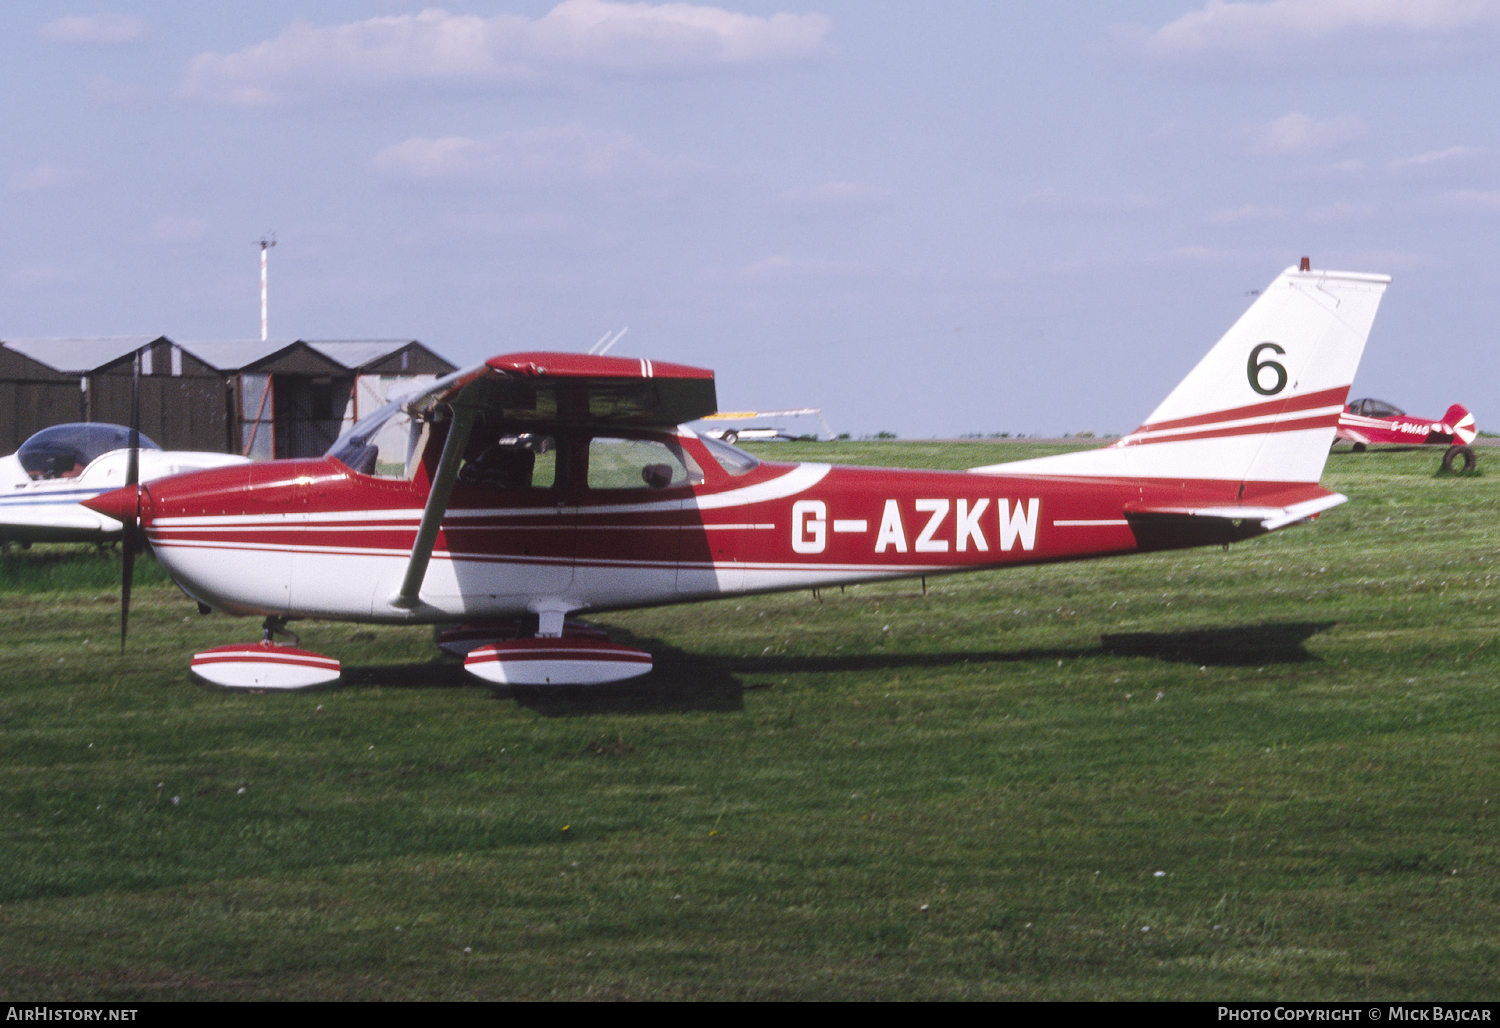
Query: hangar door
[[288, 415]]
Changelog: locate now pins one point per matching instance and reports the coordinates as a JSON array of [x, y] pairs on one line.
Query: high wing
[[586, 389]]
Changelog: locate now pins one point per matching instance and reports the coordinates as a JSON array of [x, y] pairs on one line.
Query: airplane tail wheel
[[1357, 448], [731, 437], [1462, 455]]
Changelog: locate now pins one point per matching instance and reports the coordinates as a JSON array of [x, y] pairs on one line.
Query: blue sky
[[931, 219]]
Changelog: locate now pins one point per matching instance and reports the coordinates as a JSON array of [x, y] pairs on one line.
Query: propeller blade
[[125, 578], [129, 539]]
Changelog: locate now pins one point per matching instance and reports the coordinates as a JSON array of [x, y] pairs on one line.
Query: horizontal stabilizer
[[1177, 526], [1267, 518]]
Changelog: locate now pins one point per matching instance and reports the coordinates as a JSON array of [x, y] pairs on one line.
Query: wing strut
[[437, 505]]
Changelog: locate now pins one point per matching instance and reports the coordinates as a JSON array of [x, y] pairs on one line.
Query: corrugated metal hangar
[[261, 398]]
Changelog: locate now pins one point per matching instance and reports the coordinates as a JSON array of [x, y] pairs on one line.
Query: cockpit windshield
[[1373, 408], [387, 442], [63, 451]]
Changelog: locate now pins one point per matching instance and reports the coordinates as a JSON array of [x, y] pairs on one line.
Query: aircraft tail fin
[[1262, 406], [1461, 422]]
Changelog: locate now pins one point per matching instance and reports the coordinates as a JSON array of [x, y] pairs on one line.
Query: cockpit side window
[[510, 460], [618, 463]]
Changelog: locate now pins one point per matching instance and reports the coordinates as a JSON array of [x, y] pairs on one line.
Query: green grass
[[872, 794]]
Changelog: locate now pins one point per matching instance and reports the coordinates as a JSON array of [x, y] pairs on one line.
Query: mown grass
[[1268, 773]]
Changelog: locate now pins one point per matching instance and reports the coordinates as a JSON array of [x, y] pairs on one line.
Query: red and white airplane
[[535, 486], [1370, 422]]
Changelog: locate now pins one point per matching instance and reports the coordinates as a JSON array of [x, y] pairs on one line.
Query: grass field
[[1270, 773]]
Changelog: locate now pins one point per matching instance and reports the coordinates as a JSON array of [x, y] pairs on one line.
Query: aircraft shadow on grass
[[679, 682], [1277, 642], [682, 682], [1241, 646]]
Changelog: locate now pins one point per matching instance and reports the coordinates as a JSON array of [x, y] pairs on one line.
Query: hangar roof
[[357, 353], [234, 354], [78, 356]]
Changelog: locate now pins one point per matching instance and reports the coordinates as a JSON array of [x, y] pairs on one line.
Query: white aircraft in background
[[44, 483], [760, 433]]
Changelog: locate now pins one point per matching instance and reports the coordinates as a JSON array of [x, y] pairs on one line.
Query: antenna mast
[[266, 242]]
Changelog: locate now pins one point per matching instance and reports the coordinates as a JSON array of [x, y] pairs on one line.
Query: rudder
[[1461, 422]]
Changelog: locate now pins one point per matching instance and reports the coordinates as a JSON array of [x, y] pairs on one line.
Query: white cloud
[[125, 94], [437, 47], [1423, 161], [1472, 199], [170, 229], [98, 28], [1341, 213], [782, 266], [39, 277], [1291, 31], [1339, 169], [540, 154], [1190, 254], [1382, 260], [1056, 199], [1296, 134], [833, 195], [1247, 213], [45, 176]]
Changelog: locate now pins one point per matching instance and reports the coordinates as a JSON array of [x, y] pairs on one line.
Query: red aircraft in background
[[512, 495], [1371, 422]]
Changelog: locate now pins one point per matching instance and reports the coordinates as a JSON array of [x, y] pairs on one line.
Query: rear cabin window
[[731, 458], [639, 464]]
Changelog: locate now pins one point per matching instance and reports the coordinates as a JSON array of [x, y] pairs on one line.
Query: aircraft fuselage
[[316, 539]]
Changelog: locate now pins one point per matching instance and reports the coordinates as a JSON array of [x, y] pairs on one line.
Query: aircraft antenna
[[266, 242], [613, 341]]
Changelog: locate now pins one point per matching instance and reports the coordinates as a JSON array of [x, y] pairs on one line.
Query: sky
[[927, 219]]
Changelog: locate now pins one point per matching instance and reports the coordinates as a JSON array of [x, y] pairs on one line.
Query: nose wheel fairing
[[265, 666]]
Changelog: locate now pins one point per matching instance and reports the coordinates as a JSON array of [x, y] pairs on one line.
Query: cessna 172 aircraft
[[43, 484], [537, 485]]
